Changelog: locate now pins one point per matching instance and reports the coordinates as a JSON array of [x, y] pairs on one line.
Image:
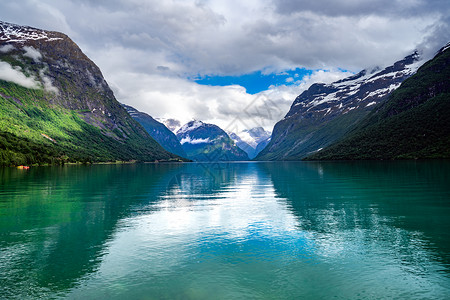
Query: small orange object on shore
[[23, 167]]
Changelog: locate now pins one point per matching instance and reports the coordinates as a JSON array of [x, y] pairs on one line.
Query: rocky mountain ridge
[[413, 123], [325, 112]]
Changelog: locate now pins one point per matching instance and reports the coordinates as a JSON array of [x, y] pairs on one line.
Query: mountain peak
[[17, 33], [208, 142], [189, 126], [252, 141], [325, 112], [412, 123]]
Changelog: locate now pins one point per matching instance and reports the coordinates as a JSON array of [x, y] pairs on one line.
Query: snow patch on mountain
[[382, 92], [15, 33], [190, 126], [367, 86], [445, 47]]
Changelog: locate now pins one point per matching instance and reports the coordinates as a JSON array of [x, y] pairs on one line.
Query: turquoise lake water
[[294, 230]]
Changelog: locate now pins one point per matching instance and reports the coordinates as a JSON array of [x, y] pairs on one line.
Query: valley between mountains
[[57, 108]]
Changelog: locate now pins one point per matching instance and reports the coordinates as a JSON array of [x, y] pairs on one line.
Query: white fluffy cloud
[[147, 48], [230, 107], [8, 73], [32, 53]]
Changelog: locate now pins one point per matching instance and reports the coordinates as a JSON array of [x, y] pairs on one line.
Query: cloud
[[352, 7], [439, 37], [230, 107], [47, 82], [32, 53], [147, 49], [8, 73], [237, 37], [6, 48], [15, 74]]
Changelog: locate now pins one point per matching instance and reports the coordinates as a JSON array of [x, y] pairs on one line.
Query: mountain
[[413, 123], [172, 124], [166, 138], [325, 112], [242, 145], [263, 144], [56, 107], [250, 140], [208, 142]]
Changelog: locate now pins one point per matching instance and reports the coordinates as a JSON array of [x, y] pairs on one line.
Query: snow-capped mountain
[[19, 34], [172, 124], [208, 142], [412, 124], [249, 140], [324, 112]]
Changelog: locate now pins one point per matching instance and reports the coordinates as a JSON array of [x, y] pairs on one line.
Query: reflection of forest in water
[[55, 223], [404, 205]]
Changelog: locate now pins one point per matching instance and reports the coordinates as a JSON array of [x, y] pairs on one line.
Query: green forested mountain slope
[[413, 123], [55, 105]]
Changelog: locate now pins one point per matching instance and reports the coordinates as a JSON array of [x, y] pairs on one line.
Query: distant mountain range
[[208, 142], [56, 107], [414, 123], [324, 113], [252, 141], [172, 124]]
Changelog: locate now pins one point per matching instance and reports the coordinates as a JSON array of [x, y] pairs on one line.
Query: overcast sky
[[151, 52]]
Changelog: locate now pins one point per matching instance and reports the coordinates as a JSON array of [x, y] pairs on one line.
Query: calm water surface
[[364, 230]]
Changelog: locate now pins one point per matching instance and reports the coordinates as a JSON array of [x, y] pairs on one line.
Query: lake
[[278, 230]]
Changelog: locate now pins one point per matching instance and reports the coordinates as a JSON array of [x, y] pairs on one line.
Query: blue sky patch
[[257, 81]]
